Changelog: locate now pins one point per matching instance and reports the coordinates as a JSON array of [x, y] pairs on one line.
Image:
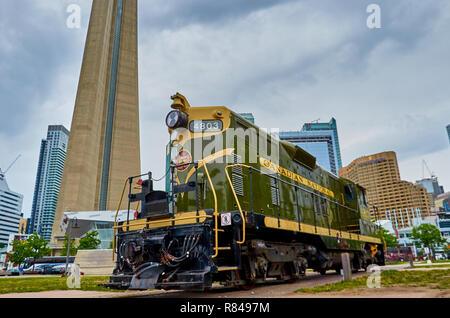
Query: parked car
[[35, 269], [61, 269], [12, 272], [48, 268], [41, 269]]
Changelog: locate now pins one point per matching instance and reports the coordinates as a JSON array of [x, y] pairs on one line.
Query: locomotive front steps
[[227, 268], [226, 248]]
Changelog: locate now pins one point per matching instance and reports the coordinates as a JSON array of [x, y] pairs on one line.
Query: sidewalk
[[77, 294]]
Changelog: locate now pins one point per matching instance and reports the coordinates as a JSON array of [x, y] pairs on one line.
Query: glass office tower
[[320, 140]]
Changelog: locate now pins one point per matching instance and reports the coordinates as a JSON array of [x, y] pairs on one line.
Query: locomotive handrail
[[216, 214], [200, 164], [236, 198], [283, 181], [115, 218], [299, 187], [129, 179], [166, 220]]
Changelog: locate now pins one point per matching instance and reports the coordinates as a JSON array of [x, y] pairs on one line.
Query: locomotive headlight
[[176, 119]]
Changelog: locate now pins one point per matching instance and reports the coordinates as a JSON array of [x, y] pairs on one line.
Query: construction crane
[[9, 167], [424, 165]]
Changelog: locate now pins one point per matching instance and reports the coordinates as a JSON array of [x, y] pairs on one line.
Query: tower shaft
[[103, 148]]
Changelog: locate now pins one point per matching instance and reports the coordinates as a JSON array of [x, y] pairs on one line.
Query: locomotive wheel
[[249, 285]]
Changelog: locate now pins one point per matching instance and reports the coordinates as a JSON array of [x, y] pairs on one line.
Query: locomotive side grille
[[236, 159], [236, 177], [274, 191], [238, 184]]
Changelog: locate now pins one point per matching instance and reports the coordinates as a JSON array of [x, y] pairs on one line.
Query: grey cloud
[[161, 14], [39, 46], [288, 62]]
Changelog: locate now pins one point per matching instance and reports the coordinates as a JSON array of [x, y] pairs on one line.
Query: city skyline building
[[320, 140], [50, 168], [442, 202], [104, 146], [330, 126], [448, 132], [23, 226], [10, 210], [389, 197], [431, 185], [249, 117]]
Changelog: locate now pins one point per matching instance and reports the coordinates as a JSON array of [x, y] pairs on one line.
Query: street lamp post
[[71, 226]]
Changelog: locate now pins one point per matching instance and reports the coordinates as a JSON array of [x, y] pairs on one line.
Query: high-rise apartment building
[[319, 139], [10, 210], [48, 180], [104, 147], [388, 196]]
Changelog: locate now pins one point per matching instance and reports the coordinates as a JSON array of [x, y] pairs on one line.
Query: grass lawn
[[435, 261], [396, 263], [430, 266], [37, 284], [439, 279]]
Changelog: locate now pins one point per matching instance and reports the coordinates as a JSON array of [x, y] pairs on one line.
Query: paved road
[[279, 290], [28, 276], [262, 291]]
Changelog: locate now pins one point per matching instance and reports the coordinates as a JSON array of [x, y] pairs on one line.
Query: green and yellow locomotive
[[241, 207]]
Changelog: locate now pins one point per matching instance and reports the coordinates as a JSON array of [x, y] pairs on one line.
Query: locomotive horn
[[180, 102]]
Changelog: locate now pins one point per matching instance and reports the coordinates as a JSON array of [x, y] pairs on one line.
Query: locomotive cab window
[[324, 206], [349, 190], [364, 198]]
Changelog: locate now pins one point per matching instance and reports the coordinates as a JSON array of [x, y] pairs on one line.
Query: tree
[[389, 239], [38, 246], [427, 235], [20, 251], [89, 241], [73, 250], [33, 246]]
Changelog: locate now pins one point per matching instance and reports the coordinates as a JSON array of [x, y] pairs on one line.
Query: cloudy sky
[[287, 62]]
